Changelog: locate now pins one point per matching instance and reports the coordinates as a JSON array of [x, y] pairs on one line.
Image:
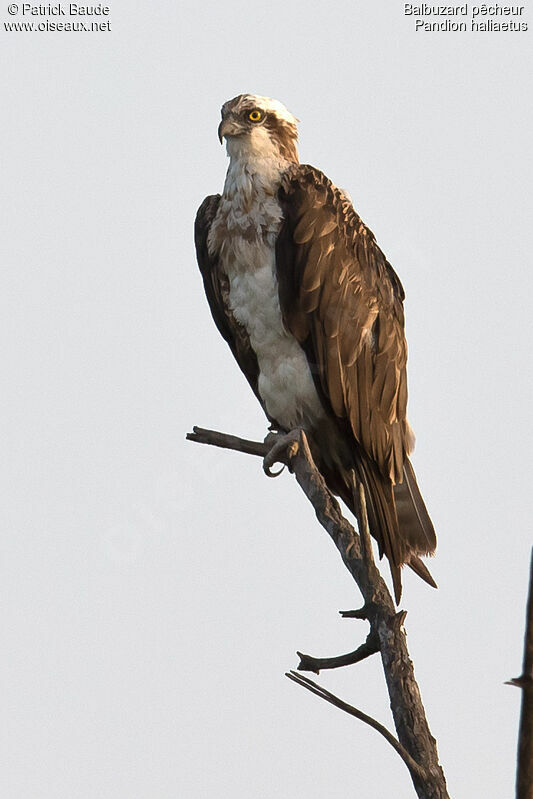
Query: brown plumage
[[216, 289], [343, 303]]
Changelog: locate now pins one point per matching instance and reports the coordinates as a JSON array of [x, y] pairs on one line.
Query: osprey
[[313, 313]]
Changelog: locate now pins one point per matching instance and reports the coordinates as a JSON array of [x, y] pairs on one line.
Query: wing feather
[[331, 270], [344, 303]]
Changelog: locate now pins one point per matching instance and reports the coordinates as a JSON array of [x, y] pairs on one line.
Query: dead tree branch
[[524, 777], [386, 632], [316, 665], [316, 689], [202, 436]]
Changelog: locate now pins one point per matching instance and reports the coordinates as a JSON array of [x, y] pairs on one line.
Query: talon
[[268, 471], [270, 459], [284, 447]]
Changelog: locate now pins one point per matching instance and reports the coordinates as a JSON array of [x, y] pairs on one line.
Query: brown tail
[[420, 568], [398, 520]]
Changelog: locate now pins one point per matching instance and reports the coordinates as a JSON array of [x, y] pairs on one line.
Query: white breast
[[285, 381], [246, 238]]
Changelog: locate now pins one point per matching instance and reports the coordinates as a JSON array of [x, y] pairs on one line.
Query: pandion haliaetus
[[313, 313]]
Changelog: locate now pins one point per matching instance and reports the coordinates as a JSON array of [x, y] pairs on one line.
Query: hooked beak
[[228, 128]]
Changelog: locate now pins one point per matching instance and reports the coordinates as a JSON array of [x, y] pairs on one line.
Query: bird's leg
[[284, 446]]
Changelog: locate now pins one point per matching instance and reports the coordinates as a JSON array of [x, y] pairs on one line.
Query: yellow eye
[[255, 115]]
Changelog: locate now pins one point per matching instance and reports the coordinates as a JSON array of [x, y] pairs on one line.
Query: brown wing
[[343, 301], [339, 294], [216, 287]]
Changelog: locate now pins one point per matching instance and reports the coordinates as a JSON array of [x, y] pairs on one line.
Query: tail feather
[[397, 516], [385, 528], [396, 574], [420, 568], [415, 525], [398, 520], [382, 520]]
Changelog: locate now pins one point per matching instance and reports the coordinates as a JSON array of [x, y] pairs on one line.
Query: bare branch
[[316, 665], [316, 689], [203, 436], [360, 613], [524, 777]]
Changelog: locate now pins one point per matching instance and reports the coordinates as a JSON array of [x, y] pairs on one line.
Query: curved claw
[[268, 471], [284, 447], [270, 459]]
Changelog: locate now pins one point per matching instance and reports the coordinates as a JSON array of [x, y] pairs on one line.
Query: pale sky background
[[153, 592]]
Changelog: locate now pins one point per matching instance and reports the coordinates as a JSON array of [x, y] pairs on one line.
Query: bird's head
[[256, 126]]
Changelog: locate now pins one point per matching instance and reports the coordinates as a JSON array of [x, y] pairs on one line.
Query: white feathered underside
[[244, 234]]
